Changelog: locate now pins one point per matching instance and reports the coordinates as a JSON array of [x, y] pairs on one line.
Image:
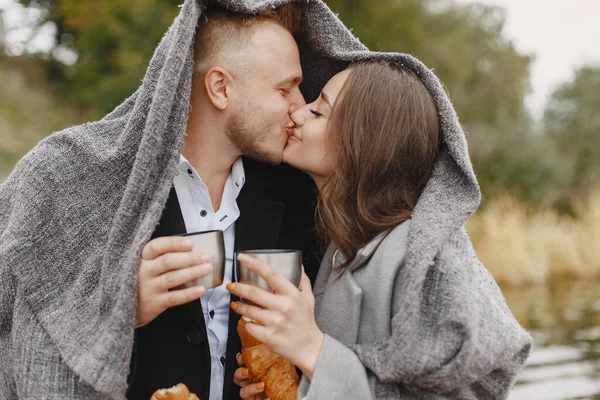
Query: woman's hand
[[241, 377], [286, 321]]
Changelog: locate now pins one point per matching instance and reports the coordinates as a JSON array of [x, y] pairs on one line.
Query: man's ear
[[216, 83]]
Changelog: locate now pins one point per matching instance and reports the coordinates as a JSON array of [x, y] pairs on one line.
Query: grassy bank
[[520, 246]]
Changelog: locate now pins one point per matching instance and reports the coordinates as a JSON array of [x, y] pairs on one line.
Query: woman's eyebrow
[[326, 99]]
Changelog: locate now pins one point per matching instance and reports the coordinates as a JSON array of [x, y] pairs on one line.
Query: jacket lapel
[[260, 219], [172, 223]]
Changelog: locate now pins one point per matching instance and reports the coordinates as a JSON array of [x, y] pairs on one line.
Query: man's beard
[[248, 135]]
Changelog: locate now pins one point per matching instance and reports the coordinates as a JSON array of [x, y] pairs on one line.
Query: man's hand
[[241, 377], [166, 264]]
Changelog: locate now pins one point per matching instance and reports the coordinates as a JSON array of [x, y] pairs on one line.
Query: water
[[564, 320]]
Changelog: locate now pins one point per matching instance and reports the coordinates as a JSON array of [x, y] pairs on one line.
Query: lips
[[291, 131], [294, 136]]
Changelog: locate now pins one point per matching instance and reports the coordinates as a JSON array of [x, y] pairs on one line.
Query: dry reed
[[520, 246]]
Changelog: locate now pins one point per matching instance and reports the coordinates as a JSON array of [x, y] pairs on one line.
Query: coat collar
[[327, 274], [335, 287]]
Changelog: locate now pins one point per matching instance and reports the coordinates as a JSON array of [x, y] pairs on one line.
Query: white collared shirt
[[199, 215]]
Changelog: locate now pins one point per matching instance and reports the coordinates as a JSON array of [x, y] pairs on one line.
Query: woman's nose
[[297, 116]]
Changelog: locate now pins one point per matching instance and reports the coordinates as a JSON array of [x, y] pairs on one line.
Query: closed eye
[[315, 112]]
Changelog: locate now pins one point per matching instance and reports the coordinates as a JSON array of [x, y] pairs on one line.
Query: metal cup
[[212, 244], [287, 262]]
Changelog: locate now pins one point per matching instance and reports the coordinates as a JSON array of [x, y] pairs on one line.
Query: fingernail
[[185, 243], [260, 385], [205, 258], [234, 305], [230, 287], [245, 372]]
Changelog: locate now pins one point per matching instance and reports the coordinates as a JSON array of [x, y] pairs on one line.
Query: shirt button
[[212, 314], [203, 213], [189, 171], [194, 336], [222, 361]]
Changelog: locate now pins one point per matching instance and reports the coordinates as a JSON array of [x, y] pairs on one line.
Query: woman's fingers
[[253, 391], [173, 279], [260, 332], [265, 317], [255, 294], [276, 281], [240, 360]]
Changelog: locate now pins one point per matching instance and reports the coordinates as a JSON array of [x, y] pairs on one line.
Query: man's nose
[[297, 100], [297, 117]]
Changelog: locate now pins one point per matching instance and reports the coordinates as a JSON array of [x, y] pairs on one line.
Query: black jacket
[[276, 211]]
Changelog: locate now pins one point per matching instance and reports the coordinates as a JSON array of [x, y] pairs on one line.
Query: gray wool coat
[[392, 335], [78, 208]]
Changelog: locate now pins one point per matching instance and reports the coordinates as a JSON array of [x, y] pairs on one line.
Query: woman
[[403, 307]]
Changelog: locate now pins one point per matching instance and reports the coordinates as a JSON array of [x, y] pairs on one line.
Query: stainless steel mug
[[211, 243], [287, 262]]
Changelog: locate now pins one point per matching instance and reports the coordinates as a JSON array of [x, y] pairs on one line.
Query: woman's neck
[[318, 179]]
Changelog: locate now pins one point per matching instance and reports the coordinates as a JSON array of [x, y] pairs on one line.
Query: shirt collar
[[237, 176]]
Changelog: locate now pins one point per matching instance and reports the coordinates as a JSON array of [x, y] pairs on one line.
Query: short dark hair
[[220, 30]]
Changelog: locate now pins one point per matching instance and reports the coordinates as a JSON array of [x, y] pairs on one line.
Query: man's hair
[[224, 34]]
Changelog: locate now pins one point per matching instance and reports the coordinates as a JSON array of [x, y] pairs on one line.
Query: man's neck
[[212, 156]]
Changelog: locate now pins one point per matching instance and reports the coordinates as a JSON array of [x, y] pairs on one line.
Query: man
[[77, 212], [245, 84]]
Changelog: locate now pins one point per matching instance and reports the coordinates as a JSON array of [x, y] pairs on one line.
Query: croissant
[[279, 376], [178, 392]]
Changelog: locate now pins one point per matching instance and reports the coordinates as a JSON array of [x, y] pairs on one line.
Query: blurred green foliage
[[572, 120], [114, 40], [486, 78]]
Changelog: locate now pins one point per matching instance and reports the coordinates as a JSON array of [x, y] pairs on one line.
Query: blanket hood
[[76, 211]]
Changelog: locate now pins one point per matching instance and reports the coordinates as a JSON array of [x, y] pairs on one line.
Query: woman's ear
[[216, 83]]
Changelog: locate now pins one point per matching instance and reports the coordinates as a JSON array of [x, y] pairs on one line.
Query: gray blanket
[[76, 211]]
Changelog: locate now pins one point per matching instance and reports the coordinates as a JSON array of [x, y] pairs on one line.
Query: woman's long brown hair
[[384, 138]]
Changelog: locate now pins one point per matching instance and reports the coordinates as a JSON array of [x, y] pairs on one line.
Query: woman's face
[[307, 148]]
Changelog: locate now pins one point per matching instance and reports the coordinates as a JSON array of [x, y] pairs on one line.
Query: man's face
[[266, 94]]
